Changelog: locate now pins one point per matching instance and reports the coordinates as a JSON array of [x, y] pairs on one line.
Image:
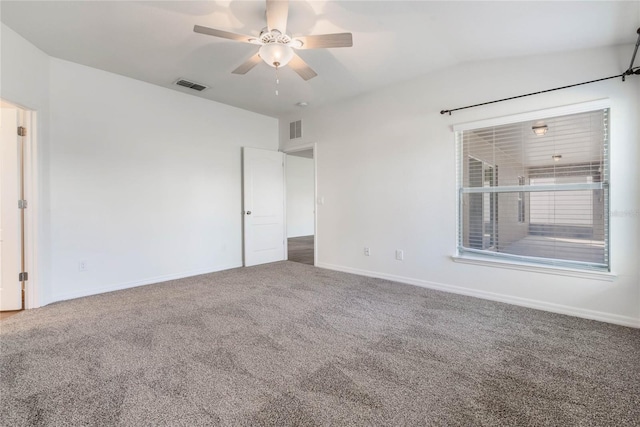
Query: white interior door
[[10, 287], [263, 206]]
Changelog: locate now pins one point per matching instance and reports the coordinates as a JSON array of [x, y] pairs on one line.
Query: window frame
[[512, 262]]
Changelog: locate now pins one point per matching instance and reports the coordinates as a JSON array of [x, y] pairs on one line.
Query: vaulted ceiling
[[393, 41]]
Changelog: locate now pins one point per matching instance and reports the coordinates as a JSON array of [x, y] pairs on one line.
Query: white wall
[[146, 182], [386, 170], [24, 81], [140, 182], [300, 196], [143, 183]]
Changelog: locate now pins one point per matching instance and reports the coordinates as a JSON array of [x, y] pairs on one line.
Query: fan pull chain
[[277, 78]]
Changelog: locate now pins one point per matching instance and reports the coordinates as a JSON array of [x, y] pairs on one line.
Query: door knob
[[248, 212]]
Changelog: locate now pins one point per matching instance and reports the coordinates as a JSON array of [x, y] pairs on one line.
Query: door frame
[[28, 118], [314, 147]]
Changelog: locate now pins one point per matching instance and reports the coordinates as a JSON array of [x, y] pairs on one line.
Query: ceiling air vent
[[295, 129], [191, 85]]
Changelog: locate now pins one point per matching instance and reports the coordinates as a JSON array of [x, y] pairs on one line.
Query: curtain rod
[[629, 72]]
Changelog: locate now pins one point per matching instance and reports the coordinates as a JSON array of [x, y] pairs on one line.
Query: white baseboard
[[524, 302], [141, 282]]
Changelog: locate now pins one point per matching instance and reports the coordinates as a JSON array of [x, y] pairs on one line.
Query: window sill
[[536, 268]]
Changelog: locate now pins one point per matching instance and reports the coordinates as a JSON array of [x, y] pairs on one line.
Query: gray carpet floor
[[301, 249], [289, 344]]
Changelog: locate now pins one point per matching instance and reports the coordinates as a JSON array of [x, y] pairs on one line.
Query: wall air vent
[[191, 85], [295, 129]]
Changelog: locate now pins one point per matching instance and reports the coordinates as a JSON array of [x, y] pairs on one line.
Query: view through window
[[537, 190]]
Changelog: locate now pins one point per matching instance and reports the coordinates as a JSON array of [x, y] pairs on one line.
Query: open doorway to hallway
[[300, 185]]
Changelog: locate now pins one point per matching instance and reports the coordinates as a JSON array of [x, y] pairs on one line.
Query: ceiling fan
[[277, 48]]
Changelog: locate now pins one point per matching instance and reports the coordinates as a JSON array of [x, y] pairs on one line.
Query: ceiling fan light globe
[[276, 53]]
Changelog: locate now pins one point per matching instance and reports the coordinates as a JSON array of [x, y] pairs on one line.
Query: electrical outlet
[[399, 254], [82, 266], [367, 252]]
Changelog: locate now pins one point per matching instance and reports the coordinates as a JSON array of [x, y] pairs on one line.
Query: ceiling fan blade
[[326, 40], [223, 34], [301, 67], [247, 65], [277, 12]]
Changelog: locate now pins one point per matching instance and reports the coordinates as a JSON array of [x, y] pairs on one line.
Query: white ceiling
[[393, 40]]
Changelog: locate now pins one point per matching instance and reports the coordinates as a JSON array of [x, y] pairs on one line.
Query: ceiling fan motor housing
[[276, 48], [273, 36]]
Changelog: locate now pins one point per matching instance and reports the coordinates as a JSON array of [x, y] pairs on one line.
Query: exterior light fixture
[[540, 129], [556, 157]]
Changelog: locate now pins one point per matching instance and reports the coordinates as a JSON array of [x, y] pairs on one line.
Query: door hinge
[[23, 277], [22, 131], [22, 204]]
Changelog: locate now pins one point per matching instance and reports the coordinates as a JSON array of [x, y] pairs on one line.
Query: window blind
[[540, 198]]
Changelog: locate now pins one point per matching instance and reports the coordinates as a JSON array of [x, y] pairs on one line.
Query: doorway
[[264, 228], [12, 259], [301, 210]]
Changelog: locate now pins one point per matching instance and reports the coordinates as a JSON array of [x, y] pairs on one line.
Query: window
[[537, 197]]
